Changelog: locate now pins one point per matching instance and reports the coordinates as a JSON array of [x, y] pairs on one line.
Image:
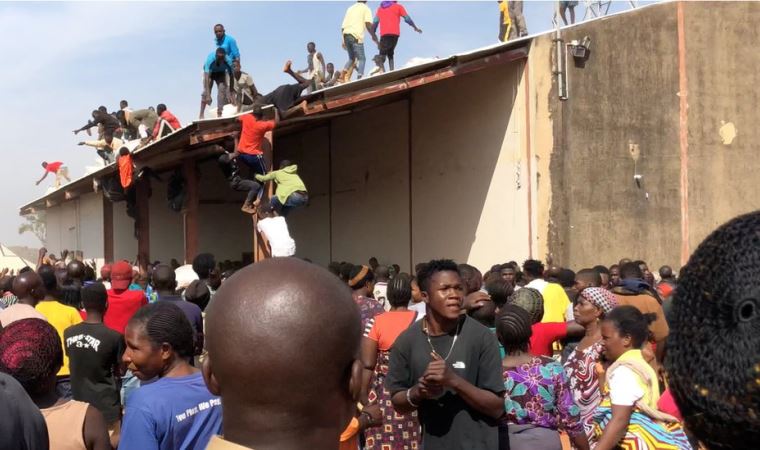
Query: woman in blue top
[[176, 411]]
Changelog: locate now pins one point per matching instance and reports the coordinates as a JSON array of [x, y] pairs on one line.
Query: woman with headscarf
[[538, 402], [401, 432], [627, 416], [582, 366]]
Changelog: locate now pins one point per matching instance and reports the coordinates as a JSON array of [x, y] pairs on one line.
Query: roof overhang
[[199, 138]]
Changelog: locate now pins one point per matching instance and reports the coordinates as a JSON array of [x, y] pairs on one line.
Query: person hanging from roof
[[58, 169], [250, 147], [231, 172], [291, 191]]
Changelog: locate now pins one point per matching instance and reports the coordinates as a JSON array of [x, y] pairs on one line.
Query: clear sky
[[65, 59]]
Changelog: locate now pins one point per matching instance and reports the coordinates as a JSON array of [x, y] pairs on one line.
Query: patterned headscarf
[[601, 298], [530, 300]]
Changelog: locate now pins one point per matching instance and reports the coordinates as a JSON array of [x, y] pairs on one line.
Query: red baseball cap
[[121, 275]]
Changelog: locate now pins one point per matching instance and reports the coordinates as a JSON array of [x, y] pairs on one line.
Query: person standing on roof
[[389, 16], [505, 23], [164, 115], [315, 70], [357, 19], [567, 5], [291, 191], [228, 43], [218, 68], [58, 169], [518, 28]]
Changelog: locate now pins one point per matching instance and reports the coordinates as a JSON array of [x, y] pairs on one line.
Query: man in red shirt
[[58, 169], [250, 147], [389, 16], [165, 116], [122, 303]]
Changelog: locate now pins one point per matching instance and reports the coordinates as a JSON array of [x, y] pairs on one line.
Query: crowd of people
[[519, 357]]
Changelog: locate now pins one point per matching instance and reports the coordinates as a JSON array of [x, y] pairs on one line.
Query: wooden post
[[190, 214], [260, 250], [143, 223], [108, 252]]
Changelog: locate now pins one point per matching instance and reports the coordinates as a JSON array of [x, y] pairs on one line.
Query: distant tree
[[35, 223]]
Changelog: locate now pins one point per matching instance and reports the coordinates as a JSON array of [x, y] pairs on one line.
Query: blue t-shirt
[[211, 66], [229, 45], [172, 413]]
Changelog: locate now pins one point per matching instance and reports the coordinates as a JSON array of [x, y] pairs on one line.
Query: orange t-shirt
[[125, 170], [252, 134], [388, 326]]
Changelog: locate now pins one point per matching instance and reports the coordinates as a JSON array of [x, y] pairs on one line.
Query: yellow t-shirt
[[504, 12], [61, 317], [555, 303], [355, 19]]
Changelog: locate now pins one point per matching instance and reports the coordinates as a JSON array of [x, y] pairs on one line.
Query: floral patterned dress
[[583, 377], [398, 431], [537, 394]]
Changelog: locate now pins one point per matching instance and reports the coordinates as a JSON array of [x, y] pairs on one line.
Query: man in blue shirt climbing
[[218, 68]]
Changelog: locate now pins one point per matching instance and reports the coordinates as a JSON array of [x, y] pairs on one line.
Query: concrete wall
[[626, 93], [629, 92], [470, 177], [722, 64]]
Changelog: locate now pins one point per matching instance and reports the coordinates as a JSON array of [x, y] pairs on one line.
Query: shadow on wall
[[466, 202]]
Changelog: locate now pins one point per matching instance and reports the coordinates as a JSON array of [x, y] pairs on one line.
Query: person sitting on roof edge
[[291, 191], [165, 116]]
